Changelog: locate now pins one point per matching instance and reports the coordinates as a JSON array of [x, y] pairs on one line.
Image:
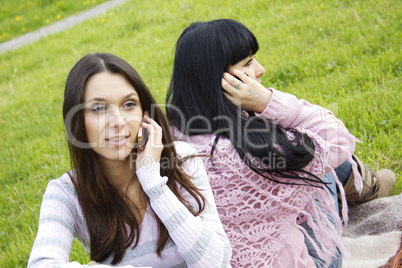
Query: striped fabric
[[195, 241]]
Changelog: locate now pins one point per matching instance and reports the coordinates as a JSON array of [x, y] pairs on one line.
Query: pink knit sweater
[[260, 217]]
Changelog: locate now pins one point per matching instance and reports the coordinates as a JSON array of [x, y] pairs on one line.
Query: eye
[[248, 63], [98, 108], [130, 104]]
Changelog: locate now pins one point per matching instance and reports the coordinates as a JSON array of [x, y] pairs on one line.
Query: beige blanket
[[373, 234]]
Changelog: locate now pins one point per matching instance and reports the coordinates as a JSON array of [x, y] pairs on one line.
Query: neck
[[119, 172]]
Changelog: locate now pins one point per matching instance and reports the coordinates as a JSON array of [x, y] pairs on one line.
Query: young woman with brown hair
[[127, 205]]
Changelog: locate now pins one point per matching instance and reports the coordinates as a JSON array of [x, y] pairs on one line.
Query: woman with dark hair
[[128, 204], [267, 151]]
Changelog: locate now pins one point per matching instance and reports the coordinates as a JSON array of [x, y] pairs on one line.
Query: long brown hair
[[106, 210]]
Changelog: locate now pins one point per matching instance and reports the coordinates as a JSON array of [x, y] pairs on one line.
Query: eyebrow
[[104, 100]]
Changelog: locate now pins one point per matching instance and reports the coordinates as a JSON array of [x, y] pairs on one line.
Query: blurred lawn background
[[341, 54], [20, 16]]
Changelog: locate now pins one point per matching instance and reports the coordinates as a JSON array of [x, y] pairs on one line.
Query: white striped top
[[195, 241]]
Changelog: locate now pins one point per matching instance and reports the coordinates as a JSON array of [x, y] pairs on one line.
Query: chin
[[121, 155]]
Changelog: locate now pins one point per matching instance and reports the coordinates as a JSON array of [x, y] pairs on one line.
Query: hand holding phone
[[150, 148], [238, 77], [247, 93]]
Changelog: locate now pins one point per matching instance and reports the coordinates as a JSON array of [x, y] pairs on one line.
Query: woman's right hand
[[154, 146], [249, 94]]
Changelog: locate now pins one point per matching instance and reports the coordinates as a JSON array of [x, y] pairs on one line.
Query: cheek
[[134, 128], [251, 72], [92, 128], [235, 67], [134, 121]]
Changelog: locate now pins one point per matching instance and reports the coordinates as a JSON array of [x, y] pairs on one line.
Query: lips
[[117, 140]]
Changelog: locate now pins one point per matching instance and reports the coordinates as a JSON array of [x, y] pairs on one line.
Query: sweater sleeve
[[57, 227], [333, 143], [200, 240]]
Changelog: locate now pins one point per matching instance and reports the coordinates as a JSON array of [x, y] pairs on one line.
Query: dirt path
[[58, 26]]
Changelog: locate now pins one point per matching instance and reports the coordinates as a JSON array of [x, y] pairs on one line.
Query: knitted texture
[[261, 217]]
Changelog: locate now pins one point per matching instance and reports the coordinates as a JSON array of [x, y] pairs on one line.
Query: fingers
[[233, 87], [154, 130], [242, 75], [237, 79], [232, 81], [228, 87], [154, 146], [246, 93]]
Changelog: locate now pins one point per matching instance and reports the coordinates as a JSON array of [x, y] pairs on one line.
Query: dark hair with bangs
[[196, 105], [112, 225]]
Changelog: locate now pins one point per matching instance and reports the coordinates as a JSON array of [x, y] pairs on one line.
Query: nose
[[259, 70], [116, 119]]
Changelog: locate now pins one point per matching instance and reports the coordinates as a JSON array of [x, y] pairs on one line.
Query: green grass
[[18, 17], [344, 55]]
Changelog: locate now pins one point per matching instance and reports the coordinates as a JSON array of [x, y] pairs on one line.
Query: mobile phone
[[142, 138], [237, 78]]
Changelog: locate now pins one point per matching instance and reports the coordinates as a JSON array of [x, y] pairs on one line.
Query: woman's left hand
[[249, 94], [154, 146]]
